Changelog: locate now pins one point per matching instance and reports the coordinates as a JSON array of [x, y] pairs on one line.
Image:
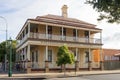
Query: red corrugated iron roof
[[110, 52], [65, 21]]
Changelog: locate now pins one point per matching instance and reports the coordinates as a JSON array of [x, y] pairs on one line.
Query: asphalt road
[[92, 77]]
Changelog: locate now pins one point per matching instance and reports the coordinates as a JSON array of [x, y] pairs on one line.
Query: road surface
[[91, 77]]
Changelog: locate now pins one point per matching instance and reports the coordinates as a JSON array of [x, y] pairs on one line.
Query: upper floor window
[[49, 29], [86, 34], [64, 31], [50, 55], [36, 29], [74, 32]]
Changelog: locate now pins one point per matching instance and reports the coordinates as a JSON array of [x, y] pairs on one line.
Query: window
[[60, 30], [49, 29], [32, 57], [23, 57], [36, 55], [87, 34], [36, 30], [74, 53], [50, 55], [49, 32], [74, 32], [86, 56], [64, 31]]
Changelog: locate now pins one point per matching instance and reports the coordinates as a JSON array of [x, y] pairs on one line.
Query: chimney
[[64, 11]]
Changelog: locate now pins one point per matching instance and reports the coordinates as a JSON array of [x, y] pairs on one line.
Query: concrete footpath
[[57, 75]]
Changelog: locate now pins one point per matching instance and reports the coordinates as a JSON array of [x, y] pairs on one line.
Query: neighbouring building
[[40, 38], [107, 55], [111, 59], [111, 54]]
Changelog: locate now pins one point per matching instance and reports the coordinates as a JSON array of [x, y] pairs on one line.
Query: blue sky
[[17, 11]]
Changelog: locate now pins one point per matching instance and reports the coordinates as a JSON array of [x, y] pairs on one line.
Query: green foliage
[[108, 9], [4, 50], [64, 56]]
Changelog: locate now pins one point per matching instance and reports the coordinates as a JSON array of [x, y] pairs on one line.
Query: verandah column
[[28, 29], [76, 62], [46, 31], [28, 59], [46, 59], [101, 55], [90, 61], [101, 60]]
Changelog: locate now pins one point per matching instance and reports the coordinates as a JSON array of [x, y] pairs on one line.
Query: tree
[[64, 56], [108, 9], [3, 50]]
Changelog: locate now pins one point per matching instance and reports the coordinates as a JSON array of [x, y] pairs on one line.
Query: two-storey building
[[40, 38]]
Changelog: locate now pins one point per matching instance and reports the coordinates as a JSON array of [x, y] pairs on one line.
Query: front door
[[34, 59], [86, 59]]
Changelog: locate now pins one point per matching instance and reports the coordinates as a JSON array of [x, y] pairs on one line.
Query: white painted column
[[28, 29], [101, 55], [101, 37], [90, 55], [101, 59], [46, 53], [46, 31], [28, 52], [90, 60], [76, 54]]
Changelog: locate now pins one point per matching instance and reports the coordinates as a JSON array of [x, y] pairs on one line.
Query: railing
[[21, 41], [64, 38], [59, 37]]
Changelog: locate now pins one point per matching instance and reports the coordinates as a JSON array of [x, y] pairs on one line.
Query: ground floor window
[[86, 56], [74, 53], [50, 55]]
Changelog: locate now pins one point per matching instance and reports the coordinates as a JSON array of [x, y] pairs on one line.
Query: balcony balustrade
[[60, 38]]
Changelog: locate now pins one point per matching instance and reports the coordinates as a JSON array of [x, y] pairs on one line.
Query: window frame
[[50, 54]]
